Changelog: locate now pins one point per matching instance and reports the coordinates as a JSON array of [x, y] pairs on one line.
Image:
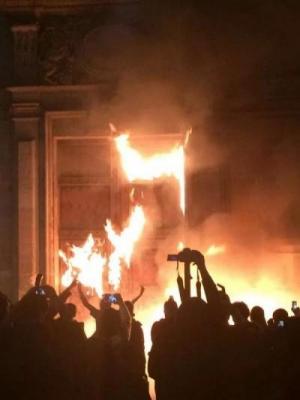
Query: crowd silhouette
[[195, 353]]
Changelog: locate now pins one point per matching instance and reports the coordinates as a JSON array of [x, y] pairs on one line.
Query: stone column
[[27, 215], [26, 127]]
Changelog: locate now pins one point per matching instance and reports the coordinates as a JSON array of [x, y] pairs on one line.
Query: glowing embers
[[158, 165]]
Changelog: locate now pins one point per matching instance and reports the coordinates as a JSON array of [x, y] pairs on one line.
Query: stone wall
[[231, 75]]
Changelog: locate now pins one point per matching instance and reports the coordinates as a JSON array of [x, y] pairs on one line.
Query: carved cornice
[[57, 6], [60, 97], [25, 110]]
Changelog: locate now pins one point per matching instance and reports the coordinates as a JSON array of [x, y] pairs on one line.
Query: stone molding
[[44, 6], [27, 215]]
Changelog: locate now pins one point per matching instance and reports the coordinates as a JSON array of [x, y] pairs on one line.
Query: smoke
[[233, 88], [226, 72]]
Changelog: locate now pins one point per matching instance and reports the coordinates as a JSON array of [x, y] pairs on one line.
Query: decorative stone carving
[[106, 52], [76, 50], [56, 53]]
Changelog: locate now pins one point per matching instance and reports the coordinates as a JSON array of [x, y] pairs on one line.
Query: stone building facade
[[68, 68]]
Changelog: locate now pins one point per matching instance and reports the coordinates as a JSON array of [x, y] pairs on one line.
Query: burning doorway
[[88, 186]]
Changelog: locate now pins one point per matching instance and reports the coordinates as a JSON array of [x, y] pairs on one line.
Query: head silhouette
[[240, 312], [257, 316], [280, 315], [170, 308], [68, 311]]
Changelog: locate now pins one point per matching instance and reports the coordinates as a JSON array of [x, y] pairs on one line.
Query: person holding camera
[[107, 348]]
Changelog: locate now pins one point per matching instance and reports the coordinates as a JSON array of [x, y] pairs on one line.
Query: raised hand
[[38, 280], [118, 298], [198, 259], [222, 288]]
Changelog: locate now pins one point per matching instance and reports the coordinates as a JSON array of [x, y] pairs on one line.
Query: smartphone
[[280, 324], [40, 291], [111, 298], [294, 305]]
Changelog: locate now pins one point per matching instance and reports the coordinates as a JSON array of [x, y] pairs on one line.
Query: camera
[[184, 255], [110, 298]]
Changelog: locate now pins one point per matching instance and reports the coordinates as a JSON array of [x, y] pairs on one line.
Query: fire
[[214, 250], [123, 244], [138, 167], [180, 246], [86, 264]]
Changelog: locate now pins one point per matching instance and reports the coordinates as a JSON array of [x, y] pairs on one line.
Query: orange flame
[[215, 250], [123, 244], [180, 246], [86, 264], [138, 167]]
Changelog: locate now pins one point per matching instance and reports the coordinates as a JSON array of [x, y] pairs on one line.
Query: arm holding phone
[[295, 308], [63, 296], [125, 315], [142, 290], [208, 283]]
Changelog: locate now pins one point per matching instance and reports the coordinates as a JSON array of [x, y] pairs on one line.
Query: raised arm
[[142, 290], [84, 300], [63, 296], [208, 283], [125, 316]]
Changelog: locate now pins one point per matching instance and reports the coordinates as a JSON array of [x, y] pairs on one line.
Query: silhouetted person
[[68, 346], [162, 356], [108, 320], [66, 328], [31, 362], [138, 387], [107, 349], [280, 317], [257, 317], [240, 313]]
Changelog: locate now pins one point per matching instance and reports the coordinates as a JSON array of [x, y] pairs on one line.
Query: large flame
[[123, 244], [86, 265], [86, 262], [158, 165]]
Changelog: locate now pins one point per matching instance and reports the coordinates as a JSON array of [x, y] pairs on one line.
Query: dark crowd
[[195, 353]]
